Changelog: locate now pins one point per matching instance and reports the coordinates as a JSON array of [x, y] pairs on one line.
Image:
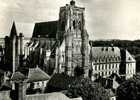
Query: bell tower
[[71, 29]]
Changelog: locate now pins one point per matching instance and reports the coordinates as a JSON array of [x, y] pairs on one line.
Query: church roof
[[109, 54], [20, 27], [36, 74], [25, 28], [45, 29], [13, 31]]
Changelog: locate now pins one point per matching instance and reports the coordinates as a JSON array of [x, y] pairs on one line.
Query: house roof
[[45, 29], [17, 76], [105, 54], [36, 74]]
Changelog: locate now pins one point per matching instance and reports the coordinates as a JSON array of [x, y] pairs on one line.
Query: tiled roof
[[129, 57], [45, 29], [105, 54], [17, 76], [36, 74]]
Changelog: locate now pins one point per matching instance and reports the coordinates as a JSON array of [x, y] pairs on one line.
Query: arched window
[[63, 26], [74, 24], [79, 25]]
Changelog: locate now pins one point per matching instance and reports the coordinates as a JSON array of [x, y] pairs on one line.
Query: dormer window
[[102, 49], [112, 49]]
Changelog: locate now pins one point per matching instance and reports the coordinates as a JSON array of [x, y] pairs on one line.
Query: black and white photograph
[[69, 49]]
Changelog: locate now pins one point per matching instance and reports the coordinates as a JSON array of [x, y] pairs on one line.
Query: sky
[[105, 19]]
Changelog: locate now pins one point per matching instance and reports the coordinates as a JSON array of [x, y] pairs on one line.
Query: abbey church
[[69, 37], [64, 45]]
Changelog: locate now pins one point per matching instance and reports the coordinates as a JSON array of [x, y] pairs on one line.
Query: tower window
[[63, 26], [79, 24], [74, 24]]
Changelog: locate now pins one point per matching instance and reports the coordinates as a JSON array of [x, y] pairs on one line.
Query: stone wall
[[49, 96], [5, 95]]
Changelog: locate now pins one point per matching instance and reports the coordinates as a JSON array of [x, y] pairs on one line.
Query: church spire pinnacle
[[72, 2], [13, 32]]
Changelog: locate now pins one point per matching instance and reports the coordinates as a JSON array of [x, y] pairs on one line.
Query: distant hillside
[[132, 46]]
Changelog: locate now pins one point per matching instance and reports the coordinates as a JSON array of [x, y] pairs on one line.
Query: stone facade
[[72, 38], [13, 49], [108, 60]]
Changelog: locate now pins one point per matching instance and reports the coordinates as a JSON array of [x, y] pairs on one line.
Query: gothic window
[[63, 57], [63, 26], [74, 24], [79, 25]]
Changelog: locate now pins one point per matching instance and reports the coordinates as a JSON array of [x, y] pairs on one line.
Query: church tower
[[71, 29]]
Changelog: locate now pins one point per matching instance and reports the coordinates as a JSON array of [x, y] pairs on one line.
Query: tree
[[129, 89], [87, 89], [78, 71]]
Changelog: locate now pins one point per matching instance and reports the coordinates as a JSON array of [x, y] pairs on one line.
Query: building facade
[[72, 50], [106, 61], [66, 38], [13, 49]]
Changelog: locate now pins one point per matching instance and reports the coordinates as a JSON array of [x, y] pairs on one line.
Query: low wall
[[5, 95], [49, 96]]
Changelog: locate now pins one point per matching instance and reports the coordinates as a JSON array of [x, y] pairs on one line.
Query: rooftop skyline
[[105, 19]]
